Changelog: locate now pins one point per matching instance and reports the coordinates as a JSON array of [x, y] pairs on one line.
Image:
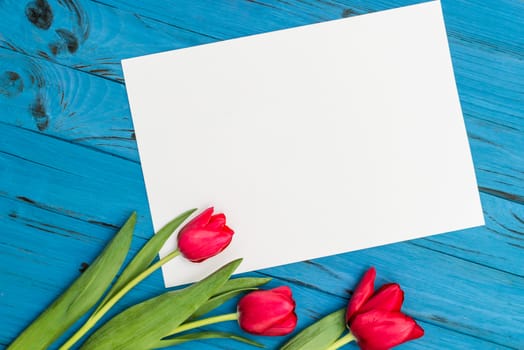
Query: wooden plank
[[478, 22], [65, 103], [491, 90], [86, 35], [69, 104], [68, 179], [68, 196], [187, 23], [45, 103], [484, 245], [95, 112]]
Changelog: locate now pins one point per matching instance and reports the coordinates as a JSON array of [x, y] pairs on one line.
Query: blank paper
[[314, 141]]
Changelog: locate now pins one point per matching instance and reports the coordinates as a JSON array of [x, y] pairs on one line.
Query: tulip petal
[[285, 326], [388, 298], [227, 229], [216, 222], [382, 330], [284, 290], [200, 220], [259, 311], [361, 294], [416, 332]]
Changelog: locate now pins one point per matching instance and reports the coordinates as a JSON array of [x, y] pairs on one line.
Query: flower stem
[[95, 317], [348, 338], [204, 322]]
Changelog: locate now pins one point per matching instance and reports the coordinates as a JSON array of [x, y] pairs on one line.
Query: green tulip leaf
[[141, 326], [320, 334], [242, 282], [146, 255], [229, 290], [215, 302], [80, 296], [205, 335]]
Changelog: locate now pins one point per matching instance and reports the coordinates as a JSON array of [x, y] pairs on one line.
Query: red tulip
[[375, 319], [268, 312], [205, 236]]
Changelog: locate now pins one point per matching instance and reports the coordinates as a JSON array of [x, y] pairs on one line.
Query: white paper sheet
[[314, 141]]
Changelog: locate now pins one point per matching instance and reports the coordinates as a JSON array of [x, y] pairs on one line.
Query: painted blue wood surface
[[70, 172]]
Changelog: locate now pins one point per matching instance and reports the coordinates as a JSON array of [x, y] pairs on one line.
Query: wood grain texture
[[86, 35], [70, 172], [48, 99], [485, 61]]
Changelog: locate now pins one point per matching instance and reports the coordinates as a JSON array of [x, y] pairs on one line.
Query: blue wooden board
[[70, 171]]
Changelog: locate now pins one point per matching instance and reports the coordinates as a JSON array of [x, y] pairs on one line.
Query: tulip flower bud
[[268, 312], [205, 236]]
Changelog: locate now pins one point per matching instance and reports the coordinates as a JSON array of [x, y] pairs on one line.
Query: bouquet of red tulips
[[374, 319]]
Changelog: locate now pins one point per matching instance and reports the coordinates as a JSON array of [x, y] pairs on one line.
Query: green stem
[[95, 317], [348, 338], [204, 322]]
